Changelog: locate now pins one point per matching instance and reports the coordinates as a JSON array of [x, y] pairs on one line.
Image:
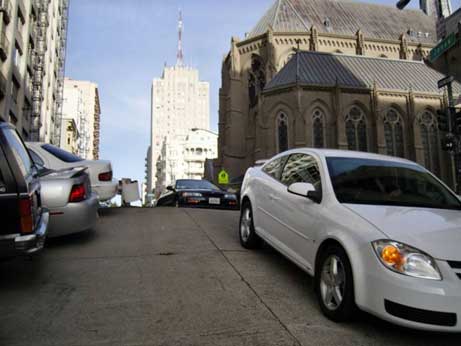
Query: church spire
[[179, 56]]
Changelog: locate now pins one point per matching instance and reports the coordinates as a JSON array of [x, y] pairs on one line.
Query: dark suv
[[23, 222]]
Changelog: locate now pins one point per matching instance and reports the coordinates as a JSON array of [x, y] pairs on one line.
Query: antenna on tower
[[180, 56]]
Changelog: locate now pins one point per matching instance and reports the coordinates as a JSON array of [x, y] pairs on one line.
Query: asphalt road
[[169, 276]]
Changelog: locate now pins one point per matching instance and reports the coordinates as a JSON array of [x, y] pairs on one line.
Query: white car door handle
[[274, 198]]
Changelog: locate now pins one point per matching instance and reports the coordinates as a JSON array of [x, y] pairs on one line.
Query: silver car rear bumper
[[74, 217]]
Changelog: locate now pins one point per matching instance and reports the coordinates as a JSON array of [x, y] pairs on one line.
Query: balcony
[[33, 36], [30, 61], [22, 11], [17, 73], [19, 41], [28, 89], [4, 46], [6, 9], [34, 9], [2, 86]]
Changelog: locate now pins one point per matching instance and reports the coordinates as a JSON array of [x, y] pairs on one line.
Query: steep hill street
[[170, 276]]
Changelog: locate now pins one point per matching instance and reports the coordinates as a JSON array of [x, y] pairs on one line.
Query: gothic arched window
[[430, 141], [318, 121], [256, 79], [356, 129], [282, 132], [393, 133], [252, 90]]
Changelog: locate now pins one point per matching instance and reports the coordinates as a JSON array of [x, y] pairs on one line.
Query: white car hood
[[434, 231]]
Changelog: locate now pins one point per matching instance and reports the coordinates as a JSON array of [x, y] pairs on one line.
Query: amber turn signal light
[[392, 256]]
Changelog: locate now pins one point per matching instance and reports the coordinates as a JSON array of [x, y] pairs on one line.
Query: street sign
[[223, 177], [442, 47], [445, 81]]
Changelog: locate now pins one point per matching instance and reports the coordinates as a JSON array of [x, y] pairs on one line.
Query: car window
[[379, 182], [274, 167], [19, 151], [301, 168], [37, 159], [61, 154], [186, 184]]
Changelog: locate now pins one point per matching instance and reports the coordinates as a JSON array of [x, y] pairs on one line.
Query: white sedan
[[377, 233], [100, 171]]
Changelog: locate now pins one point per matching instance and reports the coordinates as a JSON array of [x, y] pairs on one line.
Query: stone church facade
[[333, 74]]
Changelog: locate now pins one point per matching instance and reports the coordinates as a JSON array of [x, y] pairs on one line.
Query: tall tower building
[[81, 118], [180, 102]]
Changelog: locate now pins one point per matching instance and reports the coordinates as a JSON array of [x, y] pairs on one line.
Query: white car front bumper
[[411, 302]]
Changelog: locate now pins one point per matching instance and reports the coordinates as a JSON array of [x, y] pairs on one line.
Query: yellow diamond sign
[[223, 177]]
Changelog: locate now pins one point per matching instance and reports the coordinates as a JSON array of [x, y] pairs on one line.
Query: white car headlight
[[406, 260], [230, 196], [191, 194]]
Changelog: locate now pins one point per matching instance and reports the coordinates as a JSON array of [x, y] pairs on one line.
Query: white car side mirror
[[305, 190]]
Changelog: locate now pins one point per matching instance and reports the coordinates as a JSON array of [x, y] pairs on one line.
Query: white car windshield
[[378, 182]]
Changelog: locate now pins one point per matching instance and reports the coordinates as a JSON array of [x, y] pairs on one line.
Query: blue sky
[[123, 44]]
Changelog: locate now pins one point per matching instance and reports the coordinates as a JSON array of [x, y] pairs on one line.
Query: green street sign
[[443, 46], [223, 177]]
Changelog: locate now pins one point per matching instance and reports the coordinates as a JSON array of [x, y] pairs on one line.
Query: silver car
[[67, 194]]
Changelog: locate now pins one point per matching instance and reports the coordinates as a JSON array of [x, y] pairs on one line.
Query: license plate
[[214, 201]]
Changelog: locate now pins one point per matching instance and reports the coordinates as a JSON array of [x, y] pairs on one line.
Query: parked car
[[24, 222], [376, 232], [67, 194], [197, 193], [100, 171]]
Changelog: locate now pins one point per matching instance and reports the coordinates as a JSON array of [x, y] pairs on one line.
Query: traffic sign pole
[[453, 132]]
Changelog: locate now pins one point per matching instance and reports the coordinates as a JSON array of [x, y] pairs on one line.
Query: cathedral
[[332, 74]]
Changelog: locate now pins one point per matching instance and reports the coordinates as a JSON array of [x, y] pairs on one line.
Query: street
[[170, 276]]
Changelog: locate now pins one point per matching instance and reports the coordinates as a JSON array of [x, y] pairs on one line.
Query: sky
[[122, 45]]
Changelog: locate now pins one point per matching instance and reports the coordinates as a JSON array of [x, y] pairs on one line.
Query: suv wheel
[[248, 237]]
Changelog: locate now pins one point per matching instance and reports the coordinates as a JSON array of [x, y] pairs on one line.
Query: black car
[[198, 193], [23, 221]]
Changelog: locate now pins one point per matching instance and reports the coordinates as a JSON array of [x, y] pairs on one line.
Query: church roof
[[325, 69], [346, 17]]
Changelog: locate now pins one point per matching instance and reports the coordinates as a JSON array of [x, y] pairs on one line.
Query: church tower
[[436, 8]]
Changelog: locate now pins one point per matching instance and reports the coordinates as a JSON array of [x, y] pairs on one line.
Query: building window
[[256, 80], [393, 133], [356, 129], [430, 142], [318, 121], [282, 132], [15, 90]]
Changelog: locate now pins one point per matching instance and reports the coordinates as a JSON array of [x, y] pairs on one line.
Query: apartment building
[[81, 116], [199, 146], [33, 36]]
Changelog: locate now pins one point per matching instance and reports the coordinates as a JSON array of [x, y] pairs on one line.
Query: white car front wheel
[[334, 284], [248, 237]]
